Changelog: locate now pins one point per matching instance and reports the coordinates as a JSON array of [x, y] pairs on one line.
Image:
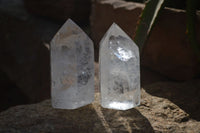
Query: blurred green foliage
[[147, 20]]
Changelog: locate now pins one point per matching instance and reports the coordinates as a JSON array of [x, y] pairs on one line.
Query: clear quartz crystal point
[[72, 68], [119, 70]]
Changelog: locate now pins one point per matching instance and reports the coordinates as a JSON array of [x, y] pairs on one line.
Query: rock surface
[[43, 118], [166, 116], [155, 114], [167, 51], [186, 95]]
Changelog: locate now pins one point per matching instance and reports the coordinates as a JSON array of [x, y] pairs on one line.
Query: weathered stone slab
[[92, 118], [155, 114]]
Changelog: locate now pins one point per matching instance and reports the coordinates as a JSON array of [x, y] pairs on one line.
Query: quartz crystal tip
[[72, 67], [119, 70]]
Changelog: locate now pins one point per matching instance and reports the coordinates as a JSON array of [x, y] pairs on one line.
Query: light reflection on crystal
[[119, 105], [123, 54], [119, 70]]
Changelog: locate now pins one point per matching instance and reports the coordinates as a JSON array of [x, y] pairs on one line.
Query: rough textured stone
[[186, 95], [167, 51], [42, 117], [165, 116], [165, 107], [78, 10], [161, 110]]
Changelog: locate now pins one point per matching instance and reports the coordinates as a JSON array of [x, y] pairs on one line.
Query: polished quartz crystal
[[119, 70], [72, 68]]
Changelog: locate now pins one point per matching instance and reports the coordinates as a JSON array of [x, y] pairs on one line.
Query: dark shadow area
[[178, 4], [186, 95], [43, 118], [60, 10], [149, 76], [10, 94], [27, 27], [24, 56], [128, 120]]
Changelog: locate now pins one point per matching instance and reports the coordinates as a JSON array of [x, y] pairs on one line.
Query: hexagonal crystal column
[[72, 68], [119, 70]]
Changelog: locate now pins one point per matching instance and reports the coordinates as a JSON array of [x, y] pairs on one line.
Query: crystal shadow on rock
[[88, 119], [72, 68], [119, 70]]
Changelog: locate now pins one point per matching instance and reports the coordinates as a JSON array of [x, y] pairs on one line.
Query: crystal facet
[[72, 68], [119, 70]]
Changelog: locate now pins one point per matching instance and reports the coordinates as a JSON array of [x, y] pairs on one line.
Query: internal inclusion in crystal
[[72, 68], [119, 70]]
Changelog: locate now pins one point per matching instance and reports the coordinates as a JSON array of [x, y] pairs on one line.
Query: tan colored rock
[[183, 94], [172, 107], [43, 118], [163, 109], [167, 51]]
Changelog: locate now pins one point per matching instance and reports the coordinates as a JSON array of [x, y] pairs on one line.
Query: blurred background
[[27, 27]]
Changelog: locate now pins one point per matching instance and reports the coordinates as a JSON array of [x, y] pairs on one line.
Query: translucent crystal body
[[72, 68], [119, 70]]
